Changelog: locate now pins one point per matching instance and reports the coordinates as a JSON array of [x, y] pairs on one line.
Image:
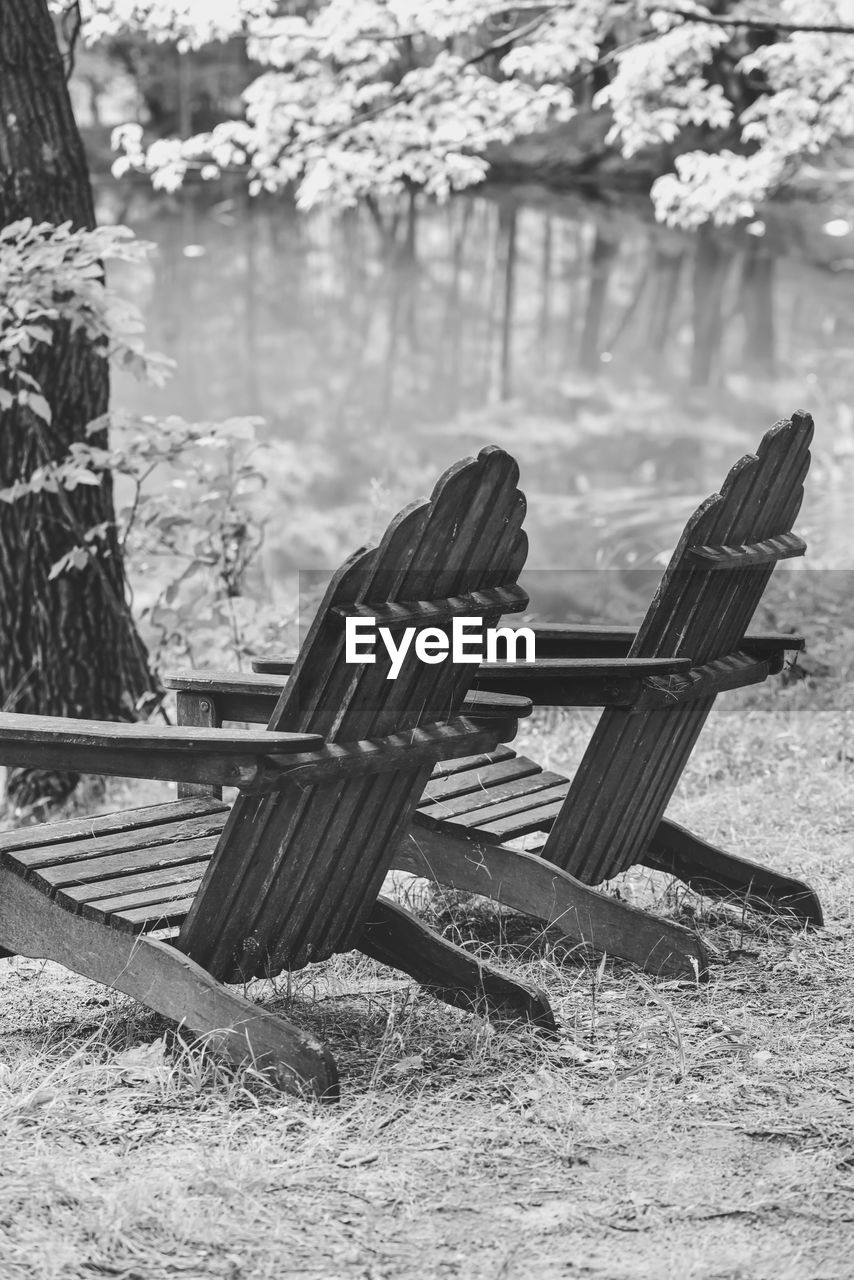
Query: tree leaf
[[39, 406]]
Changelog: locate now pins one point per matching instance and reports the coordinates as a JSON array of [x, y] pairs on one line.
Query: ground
[[671, 1130]]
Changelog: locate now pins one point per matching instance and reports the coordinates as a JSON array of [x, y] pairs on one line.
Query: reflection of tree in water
[[611, 355]]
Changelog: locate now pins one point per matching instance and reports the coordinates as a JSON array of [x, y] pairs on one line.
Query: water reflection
[[624, 364]]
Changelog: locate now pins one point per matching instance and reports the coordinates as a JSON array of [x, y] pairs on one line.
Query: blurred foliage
[[356, 98]]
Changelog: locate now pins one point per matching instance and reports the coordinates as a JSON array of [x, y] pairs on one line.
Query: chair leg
[[538, 888], [397, 938], [717, 874], [168, 982]]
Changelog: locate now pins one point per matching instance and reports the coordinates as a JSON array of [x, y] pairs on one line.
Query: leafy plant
[[192, 524]]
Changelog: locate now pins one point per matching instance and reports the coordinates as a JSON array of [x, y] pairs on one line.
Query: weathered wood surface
[[198, 713], [249, 697], [295, 875], [576, 640], [165, 980], [734, 671], [399, 751], [578, 682], [748, 555], [395, 937], [571, 640], [407, 613], [104, 866], [114, 736], [718, 874], [46, 835], [633, 763], [636, 683], [530, 884], [199, 755]]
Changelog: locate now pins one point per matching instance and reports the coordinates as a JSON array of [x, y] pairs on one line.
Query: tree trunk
[[69, 646]]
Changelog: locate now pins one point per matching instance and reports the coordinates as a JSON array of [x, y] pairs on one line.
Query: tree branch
[[758, 24], [70, 23]]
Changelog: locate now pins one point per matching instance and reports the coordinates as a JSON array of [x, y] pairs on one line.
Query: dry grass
[[670, 1130]]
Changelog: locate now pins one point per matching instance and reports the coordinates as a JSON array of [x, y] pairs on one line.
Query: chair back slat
[[701, 610], [296, 873]]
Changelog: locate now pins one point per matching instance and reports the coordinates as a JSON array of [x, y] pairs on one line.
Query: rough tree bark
[[67, 646]]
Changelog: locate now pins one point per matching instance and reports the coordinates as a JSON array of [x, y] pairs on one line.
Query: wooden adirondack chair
[[289, 873], [475, 811], [611, 815]]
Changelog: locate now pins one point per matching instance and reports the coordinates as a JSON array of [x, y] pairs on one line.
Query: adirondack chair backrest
[[703, 605], [296, 873]]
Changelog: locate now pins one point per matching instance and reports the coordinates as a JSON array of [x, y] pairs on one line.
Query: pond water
[[625, 365]]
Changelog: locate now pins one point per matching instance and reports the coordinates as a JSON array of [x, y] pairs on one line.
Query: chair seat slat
[[518, 824], [483, 775], [480, 797]]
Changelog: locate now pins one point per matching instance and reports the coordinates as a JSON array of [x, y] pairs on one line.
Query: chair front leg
[[395, 937]]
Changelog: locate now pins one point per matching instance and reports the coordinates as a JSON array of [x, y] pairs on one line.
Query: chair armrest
[[175, 753], [566, 640], [443, 740], [490, 704], [251, 697], [274, 666], [577, 682]]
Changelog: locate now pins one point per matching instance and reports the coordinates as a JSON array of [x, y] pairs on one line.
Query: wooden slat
[[573, 683], [127, 862], [146, 919], [275, 666], [217, 682], [153, 878], [467, 762], [748, 555], [152, 903], [436, 812], [116, 736], [433, 613], [496, 706], [479, 777], [484, 817], [414, 748], [735, 671], [520, 824], [198, 712], [584, 668], [46, 834], [146, 837], [563, 640]]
